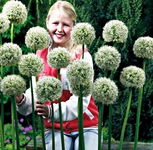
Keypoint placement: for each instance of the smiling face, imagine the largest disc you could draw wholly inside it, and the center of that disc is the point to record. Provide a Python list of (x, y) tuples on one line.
[(59, 26)]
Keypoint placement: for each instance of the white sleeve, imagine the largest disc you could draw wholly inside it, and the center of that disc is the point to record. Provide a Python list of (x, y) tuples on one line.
[(25, 108), (70, 107)]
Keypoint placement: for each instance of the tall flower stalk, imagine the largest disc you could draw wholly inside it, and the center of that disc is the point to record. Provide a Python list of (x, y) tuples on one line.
[(108, 58), (143, 48), (131, 77), (2, 115), (9, 55), (13, 85), (49, 88), (31, 65), (36, 38), (104, 91), (80, 76), (82, 33), (4, 25), (59, 58)]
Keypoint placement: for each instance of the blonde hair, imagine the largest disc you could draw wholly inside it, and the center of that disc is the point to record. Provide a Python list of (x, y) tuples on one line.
[(66, 6)]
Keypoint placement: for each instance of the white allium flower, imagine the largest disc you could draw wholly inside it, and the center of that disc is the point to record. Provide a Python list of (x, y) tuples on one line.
[(4, 23), (30, 65), (105, 90), (115, 31), (85, 90), (10, 54), (48, 88), (83, 33), (59, 57), (132, 76), (108, 58), (143, 47), (37, 38), (13, 85), (16, 11), (79, 71)]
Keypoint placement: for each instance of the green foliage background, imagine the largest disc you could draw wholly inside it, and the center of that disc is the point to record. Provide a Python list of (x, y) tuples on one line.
[(138, 16)]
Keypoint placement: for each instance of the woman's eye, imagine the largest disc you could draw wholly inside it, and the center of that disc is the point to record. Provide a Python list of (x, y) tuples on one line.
[(66, 24), (55, 23)]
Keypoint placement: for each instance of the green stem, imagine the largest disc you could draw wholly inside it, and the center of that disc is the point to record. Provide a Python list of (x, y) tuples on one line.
[(29, 5), (138, 114), (110, 127), (53, 134), (125, 120), (16, 123), (2, 124), (80, 119), (74, 3), (2, 115), (82, 51), (13, 126), (12, 32), (61, 124), (0, 39), (37, 11), (100, 122), (42, 133), (33, 116), (41, 1)]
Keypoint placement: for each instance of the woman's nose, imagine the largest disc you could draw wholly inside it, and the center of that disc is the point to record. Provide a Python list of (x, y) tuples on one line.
[(59, 28)]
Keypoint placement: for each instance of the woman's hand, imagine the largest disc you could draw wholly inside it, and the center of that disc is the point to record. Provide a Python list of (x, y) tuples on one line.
[(42, 109)]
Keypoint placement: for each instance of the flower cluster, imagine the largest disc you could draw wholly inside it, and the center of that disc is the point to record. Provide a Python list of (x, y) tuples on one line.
[(105, 90), (83, 33), (132, 76), (13, 85), (48, 88), (37, 38), (83, 89), (59, 57), (143, 47), (30, 65), (115, 31), (79, 71), (80, 76), (16, 12), (10, 54), (4, 23), (108, 58)]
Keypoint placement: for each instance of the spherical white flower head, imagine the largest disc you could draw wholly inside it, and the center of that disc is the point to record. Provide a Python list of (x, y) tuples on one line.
[(10, 54), (48, 88), (105, 90), (115, 31), (4, 23), (84, 88), (30, 65), (79, 71), (58, 57), (132, 76), (143, 47), (37, 38), (16, 12), (83, 33), (108, 58), (13, 85)]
